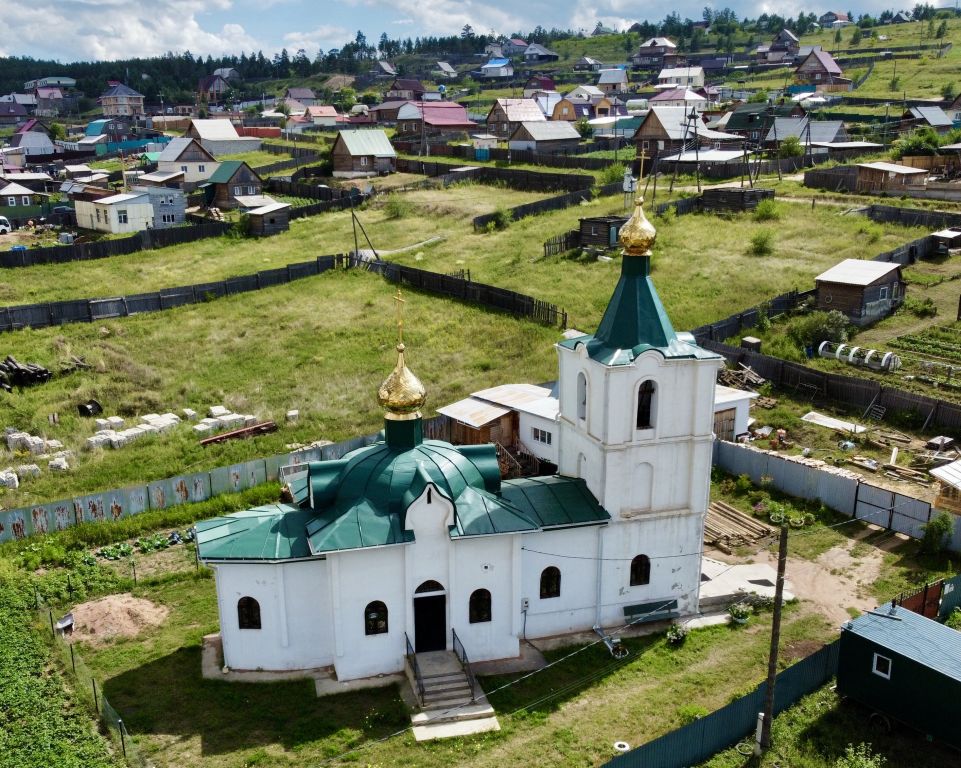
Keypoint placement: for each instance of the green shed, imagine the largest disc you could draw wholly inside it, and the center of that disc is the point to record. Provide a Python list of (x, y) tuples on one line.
[(906, 667)]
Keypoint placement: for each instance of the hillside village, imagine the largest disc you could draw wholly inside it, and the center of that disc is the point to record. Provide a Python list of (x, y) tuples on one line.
[(555, 397)]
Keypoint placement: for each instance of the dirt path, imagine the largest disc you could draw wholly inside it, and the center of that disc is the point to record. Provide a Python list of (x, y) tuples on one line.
[(836, 580)]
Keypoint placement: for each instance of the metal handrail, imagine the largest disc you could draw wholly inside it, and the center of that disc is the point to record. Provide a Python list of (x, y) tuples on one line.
[(461, 653), (418, 678)]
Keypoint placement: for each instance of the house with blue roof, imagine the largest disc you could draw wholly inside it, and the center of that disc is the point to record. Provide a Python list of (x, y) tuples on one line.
[(497, 67), (412, 547)]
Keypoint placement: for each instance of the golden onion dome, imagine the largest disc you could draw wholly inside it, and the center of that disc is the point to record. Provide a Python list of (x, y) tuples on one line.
[(638, 235), (402, 393)]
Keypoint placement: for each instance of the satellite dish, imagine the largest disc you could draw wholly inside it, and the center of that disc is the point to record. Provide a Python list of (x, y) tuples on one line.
[(442, 89)]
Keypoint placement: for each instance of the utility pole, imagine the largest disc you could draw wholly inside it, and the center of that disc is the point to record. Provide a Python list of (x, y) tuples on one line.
[(765, 741)]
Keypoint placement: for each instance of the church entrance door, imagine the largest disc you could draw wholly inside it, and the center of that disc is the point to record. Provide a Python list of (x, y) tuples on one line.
[(430, 618)]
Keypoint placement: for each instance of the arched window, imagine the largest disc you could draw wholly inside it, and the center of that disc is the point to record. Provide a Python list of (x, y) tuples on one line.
[(429, 586), (550, 582), (645, 405), (480, 606), (375, 618), (581, 396), (640, 570), (248, 613)]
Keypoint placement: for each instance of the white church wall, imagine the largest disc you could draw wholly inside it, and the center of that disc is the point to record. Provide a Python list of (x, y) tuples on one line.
[(429, 556), (295, 615), (574, 609), (487, 562), (359, 577)]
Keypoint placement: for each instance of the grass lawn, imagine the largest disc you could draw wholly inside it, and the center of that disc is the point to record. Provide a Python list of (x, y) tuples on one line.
[(258, 158), (568, 716)]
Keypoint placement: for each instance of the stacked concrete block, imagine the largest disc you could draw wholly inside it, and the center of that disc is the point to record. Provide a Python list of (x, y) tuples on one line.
[(216, 411), (190, 414), (58, 464), (9, 479), (293, 415), (28, 470), (115, 422)]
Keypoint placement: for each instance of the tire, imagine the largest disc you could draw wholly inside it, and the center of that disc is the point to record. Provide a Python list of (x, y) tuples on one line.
[(880, 723)]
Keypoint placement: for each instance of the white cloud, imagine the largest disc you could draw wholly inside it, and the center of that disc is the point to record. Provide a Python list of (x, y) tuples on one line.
[(325, 36), (402, 21), (114, 29)]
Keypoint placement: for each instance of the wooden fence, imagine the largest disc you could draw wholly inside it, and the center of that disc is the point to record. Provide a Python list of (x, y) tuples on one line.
[(154, 238), (525, 181), (532, 209), (562, 243), (572, 158), (914, 217)]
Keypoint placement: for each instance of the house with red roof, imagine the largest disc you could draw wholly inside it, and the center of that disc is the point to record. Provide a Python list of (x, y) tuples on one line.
[(819, 68), (433, 119)]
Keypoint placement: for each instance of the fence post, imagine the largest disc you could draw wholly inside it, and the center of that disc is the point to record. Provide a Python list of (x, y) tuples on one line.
[(53, 632), (73, 661), (123, 741)]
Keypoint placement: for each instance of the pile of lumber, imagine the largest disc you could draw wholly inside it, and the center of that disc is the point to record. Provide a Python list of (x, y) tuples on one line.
[(742, 377), (726, 527), (17, 374)]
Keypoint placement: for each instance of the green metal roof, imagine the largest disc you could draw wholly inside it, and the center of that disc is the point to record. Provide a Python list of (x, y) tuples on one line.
[(225, 172), (913, 636), (361, 500), (634, 322), (367, 142), (271, 532)]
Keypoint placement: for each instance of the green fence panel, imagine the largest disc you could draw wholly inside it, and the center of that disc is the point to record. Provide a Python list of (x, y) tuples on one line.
[(950, 597)]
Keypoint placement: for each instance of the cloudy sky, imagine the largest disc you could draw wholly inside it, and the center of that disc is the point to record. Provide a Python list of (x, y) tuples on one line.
[(72, 30)]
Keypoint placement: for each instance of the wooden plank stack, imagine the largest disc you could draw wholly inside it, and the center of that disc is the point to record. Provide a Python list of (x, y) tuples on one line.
[(726, 527)]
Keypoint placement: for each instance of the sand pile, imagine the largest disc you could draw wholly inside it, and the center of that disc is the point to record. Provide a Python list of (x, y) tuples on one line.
[(115, 616)]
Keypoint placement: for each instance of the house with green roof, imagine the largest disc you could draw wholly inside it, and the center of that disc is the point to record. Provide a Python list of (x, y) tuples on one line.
[(413, 546), (362, 153), (232, 179)]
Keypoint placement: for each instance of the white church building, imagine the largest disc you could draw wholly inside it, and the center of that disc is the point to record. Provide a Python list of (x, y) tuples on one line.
[(409, 540)]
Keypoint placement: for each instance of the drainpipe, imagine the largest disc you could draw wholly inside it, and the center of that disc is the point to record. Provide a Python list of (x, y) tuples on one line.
[(600, 564)]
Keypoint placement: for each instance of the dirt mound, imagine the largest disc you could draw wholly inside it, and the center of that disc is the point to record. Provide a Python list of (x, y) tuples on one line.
[(115, 616)]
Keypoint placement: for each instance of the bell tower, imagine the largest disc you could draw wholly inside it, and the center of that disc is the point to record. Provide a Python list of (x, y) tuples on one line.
[(637, 398)]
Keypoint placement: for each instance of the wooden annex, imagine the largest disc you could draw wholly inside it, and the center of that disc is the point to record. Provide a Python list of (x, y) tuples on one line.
[(865, 291)]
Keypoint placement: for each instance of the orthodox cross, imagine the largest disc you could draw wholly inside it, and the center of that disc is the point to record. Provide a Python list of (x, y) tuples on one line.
[(400, 316)]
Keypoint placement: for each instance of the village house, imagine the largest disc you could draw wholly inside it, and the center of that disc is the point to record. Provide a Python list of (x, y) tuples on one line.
[(433, 120), (686, 77), (948, 478), (233, 179), (587, 64), (507, 114), (545, 137), (117, 214), (219, 137), (50, 101), (120, 100), (412, 545), (572, 110), (753, 121), (18, 201), (819, 68), (33, 137), (834, 19), (546, 101), (805, 130), (612, 80), (363, 153), (953, 110), (383, 69), (305, 96), (187, 156), (386, 112), (667, 130), (513, 46), (536, 53), (444, 70), (678, 97), (497, 68), (926, 117), (655, 53), (169, 204), (211, 89), (538, 83), (783, 48), (12, 113), (405, 89), (865, 291), (323, 115)]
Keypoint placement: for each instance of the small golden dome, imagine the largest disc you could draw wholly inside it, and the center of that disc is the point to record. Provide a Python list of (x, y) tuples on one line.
[(401, 394), (638, 235)]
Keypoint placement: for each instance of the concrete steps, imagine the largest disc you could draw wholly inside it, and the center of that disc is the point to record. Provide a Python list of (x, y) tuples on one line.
[(448, 708)]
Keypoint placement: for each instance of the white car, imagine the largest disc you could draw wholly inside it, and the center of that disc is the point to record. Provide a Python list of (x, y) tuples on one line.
[(5, 225)]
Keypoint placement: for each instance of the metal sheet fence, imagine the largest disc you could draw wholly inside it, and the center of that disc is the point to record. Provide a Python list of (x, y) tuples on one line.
[(118, 503), (845, 493), (696, 742), (950, 597), (540, 206), (525, 181)]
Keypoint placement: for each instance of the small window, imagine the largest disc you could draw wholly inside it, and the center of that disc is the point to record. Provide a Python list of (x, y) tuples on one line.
[(550, 582), (363, 160), (480, 606), (122, 216), (541, 436), (200, 168), (25, 199), (429, 586), (375, 618), (884, 293), (183, 168), (12, 202), (248, 613), (881, 666), (98, 214), (252, 190), (581, 396), (640, 571), (238, 190), (645, 405)]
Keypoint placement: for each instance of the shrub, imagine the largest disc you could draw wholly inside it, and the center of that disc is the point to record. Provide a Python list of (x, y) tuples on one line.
[(691, 712), (763, 322), (396, 207), (790, 147), (767, 210), (742, 485), (739, 612), (811, 329), (762, 243), (954, 619), (860, 756), (937, 533), (921, 307), (584, 128), (502, 219), (612, 174), (677, 633), (758, 98)]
